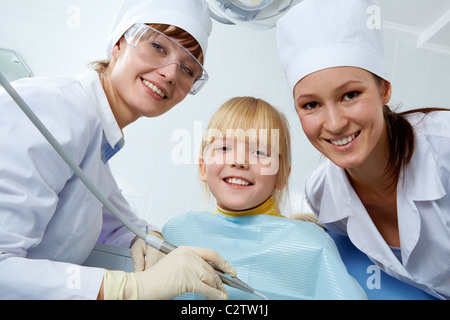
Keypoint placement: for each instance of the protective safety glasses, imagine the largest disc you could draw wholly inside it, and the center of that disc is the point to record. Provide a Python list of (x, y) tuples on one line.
[(160, 50)]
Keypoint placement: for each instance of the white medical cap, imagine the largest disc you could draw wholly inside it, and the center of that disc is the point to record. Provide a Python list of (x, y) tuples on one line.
[(320, 34), (190, 15)]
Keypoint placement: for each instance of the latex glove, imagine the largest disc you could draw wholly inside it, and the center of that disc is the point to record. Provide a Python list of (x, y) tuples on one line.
[(181, 271), (145, 256)]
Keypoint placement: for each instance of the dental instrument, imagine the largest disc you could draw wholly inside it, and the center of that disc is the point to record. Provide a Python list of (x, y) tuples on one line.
[(166, 247), (151, 240)]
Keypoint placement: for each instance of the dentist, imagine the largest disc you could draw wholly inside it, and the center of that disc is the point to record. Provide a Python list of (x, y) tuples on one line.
[(386, 183), (49, 221)]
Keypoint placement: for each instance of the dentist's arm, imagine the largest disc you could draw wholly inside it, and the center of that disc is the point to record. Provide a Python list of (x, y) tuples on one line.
[(184, 270)]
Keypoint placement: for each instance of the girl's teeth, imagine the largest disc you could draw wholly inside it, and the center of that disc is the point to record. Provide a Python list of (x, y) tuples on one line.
[(343, 142), (237, 181), (154, 88)]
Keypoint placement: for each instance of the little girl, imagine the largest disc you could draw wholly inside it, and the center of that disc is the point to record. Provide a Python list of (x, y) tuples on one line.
[(245, 163)]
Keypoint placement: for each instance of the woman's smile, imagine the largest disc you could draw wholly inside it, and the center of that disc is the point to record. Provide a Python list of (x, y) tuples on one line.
[(341, 112), (154, 88), (343, 141)]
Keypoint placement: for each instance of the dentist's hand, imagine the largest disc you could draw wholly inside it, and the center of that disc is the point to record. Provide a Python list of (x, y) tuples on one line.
[(181, 271), (145, 256)]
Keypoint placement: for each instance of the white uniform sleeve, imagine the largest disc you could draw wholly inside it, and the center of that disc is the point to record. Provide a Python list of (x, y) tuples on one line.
[(22, 278), (31, 177)]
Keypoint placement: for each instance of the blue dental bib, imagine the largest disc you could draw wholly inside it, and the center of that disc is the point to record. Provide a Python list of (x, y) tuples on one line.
[(279, 257)]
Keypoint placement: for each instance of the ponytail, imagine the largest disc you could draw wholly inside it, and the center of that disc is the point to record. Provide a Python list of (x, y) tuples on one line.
[(401, 142), (401, 139)]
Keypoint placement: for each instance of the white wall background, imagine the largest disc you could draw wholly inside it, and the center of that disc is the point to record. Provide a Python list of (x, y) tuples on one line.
[(59, 37)]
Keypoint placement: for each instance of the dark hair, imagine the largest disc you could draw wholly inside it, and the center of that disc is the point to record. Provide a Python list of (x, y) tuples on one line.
[(401, 137), (401, 142)]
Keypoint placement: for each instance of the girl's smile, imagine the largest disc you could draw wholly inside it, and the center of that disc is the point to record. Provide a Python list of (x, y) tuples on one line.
[(237, 182), (235, 173)]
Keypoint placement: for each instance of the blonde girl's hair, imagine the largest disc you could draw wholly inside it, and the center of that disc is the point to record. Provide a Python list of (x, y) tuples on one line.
[(249, 114), (183, 37)]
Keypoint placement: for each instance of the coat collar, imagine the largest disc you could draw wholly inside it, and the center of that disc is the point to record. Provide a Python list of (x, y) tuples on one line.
[(344, 204), (91, 83), (418, 182), (336, 202)]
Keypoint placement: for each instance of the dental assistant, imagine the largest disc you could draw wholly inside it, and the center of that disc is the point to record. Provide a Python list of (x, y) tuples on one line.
[(386, 183), (49, 221)]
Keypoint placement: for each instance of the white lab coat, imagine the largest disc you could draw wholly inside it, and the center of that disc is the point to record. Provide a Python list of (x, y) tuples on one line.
[(423, 208), (49, 221)]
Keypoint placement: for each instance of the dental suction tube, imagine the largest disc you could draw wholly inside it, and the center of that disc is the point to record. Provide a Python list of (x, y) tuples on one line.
[(150, 239), (58, 148)]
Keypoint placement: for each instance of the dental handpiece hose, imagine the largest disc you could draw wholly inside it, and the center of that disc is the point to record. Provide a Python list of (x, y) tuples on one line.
[(151, 240)]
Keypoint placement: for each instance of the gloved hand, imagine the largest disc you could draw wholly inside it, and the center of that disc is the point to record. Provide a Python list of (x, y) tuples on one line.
[(181, 271), (145, 256)]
